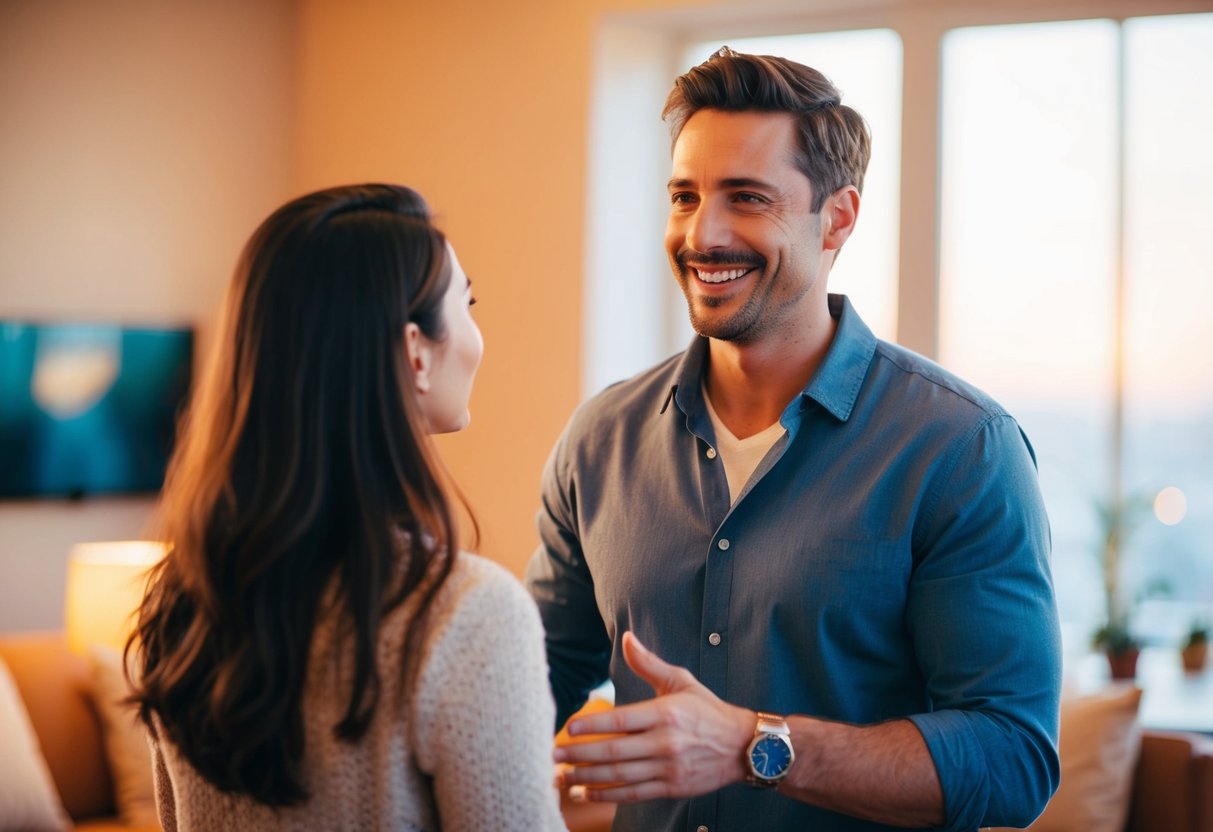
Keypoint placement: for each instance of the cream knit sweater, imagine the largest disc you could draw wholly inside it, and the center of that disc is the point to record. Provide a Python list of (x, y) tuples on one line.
[(471, 750)]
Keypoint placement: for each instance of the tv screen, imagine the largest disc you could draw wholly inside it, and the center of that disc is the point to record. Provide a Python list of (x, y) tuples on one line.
[(89, 408)]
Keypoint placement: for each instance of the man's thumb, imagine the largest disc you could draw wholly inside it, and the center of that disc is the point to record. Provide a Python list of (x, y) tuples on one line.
[(663, 676)]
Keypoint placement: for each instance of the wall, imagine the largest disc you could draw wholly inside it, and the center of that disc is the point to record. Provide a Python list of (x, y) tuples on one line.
[(483, 107), (140, 142)]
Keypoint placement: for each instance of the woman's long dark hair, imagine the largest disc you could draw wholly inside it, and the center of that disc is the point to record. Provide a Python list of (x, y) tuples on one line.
[(302, 457)]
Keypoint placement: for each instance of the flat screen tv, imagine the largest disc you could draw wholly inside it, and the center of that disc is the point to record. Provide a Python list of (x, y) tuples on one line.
[(89, 409)]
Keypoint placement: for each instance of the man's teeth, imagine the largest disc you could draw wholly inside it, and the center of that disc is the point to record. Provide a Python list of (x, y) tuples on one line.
[(721, 277)]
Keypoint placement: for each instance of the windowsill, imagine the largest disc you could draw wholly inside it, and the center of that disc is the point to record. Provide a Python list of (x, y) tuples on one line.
[(1172, 700)]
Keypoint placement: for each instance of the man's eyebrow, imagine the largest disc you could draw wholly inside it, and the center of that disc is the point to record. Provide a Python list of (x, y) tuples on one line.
[(733, 182)]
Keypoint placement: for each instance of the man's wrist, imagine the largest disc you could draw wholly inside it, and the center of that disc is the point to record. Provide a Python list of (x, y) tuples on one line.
[(769, 754)]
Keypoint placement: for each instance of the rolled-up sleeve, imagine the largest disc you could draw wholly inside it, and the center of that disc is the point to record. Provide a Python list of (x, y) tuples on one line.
[(983, 619)]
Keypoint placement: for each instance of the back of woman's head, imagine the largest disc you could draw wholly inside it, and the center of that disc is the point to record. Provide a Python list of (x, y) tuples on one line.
[(303, 459)]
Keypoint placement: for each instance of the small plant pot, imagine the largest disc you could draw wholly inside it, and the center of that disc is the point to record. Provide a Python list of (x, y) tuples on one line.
[(1123, 665), (1194, 657)]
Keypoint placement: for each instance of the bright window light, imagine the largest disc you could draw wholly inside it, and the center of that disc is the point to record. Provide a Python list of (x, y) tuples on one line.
[(1031, 243)]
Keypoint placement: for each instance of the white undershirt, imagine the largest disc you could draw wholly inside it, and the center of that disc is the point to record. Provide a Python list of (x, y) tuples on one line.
[(740, 456)]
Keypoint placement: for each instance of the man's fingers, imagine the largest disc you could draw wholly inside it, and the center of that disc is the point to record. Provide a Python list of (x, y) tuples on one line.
[(620, 746), (626, 719), (629, 793), (615, 774)]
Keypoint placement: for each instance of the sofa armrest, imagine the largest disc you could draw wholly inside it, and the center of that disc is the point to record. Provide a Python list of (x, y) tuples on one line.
[(55, 686), (1173, 786)]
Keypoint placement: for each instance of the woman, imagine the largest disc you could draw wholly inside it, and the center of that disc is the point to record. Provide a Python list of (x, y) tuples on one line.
[(315, 652)]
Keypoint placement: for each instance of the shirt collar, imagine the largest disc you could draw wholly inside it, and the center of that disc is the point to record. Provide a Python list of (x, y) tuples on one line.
[(835, 385)]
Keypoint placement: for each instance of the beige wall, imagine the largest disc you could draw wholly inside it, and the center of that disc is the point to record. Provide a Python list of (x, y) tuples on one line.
[(482, 106), (140, 141)]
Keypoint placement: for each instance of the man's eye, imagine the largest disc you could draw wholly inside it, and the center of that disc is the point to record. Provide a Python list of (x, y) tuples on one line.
[(682, 197), (753, 198)]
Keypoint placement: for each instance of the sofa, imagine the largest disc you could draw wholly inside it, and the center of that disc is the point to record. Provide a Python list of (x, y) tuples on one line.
[(1172, 786), (57, 688)]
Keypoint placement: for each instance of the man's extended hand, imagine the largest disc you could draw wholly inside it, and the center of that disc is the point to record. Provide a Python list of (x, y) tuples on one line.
[(684, 742)]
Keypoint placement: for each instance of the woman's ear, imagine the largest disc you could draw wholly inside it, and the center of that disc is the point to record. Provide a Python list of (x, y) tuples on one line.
[(419, 353)]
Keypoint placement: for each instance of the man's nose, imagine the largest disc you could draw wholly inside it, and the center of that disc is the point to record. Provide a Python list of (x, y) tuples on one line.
[(708, 228)]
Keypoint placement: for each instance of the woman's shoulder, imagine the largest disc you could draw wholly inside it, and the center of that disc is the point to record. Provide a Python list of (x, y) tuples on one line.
[(478, 568), (472, 573), (479, 591), (483, 632)]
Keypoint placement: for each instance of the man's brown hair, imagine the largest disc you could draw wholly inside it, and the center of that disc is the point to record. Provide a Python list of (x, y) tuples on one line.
[(834, 141)]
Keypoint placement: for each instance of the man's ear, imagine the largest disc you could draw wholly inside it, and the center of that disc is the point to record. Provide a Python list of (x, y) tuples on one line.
[(419, 353), (839, 213)]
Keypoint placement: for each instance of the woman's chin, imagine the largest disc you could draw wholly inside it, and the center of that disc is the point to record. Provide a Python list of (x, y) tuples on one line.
[(453, 425)]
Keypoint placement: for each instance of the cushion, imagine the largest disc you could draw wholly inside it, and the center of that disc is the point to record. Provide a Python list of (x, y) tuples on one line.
[(28, 800), (125, 740), (1099, 743)]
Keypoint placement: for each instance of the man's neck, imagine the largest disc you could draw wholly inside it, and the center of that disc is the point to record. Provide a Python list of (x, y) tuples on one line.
[(751, 384)]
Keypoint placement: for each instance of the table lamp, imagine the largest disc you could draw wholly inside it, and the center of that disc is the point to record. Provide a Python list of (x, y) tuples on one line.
[(105, 583)]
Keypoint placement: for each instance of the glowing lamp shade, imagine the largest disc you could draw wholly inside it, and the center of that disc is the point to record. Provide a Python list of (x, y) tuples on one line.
[(105, 583)]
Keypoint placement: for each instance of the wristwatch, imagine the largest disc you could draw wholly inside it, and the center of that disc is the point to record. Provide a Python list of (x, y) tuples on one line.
[(770, 754)]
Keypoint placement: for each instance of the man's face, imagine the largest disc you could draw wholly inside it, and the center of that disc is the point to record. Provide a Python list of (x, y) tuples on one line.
[(741, 238)]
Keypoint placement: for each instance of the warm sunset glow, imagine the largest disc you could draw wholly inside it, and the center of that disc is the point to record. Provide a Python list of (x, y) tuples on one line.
[(1029, 243), (1058, 182)]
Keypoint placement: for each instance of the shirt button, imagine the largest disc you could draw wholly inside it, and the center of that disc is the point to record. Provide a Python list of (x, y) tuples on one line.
[(711, 455), (714, 639), (722, 544)]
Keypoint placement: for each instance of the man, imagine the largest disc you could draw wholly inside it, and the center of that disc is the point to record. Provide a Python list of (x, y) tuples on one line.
[(837, 549)]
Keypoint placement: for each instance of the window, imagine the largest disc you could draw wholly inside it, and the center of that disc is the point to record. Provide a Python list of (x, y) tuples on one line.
[(1067, 242), (1040, 202)]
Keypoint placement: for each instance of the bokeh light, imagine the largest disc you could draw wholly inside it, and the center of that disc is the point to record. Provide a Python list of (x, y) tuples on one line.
[(1170, 505)]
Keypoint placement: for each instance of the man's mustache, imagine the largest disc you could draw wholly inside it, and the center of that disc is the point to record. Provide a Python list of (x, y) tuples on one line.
[(720, 258)]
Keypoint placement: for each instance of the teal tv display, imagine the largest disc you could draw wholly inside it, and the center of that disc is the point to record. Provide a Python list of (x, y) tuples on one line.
[(89, 409)]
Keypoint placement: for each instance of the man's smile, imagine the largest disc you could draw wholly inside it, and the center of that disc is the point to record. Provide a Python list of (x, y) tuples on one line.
[(719, 275)]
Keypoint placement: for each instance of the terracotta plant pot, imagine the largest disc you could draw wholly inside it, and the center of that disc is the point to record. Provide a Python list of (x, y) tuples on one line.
[(1194, 657), (1123, 664)]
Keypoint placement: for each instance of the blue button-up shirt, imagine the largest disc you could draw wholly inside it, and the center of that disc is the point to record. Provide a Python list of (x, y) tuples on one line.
[(888, 558)]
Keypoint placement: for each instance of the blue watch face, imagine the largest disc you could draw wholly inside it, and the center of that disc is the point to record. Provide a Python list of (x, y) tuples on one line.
[(771, 756)]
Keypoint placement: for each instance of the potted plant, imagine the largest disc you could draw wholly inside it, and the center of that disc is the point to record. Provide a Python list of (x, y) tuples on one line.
[(1117, 519), (1195, 651), (1121, 648)]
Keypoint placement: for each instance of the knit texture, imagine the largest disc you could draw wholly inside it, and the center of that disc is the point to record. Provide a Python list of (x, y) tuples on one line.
[(469, 749)]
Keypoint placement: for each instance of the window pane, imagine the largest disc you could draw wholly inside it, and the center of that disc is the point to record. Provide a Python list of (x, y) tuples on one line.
[(1169, 298), (1027, 257), (866, 66), (1028, 273)]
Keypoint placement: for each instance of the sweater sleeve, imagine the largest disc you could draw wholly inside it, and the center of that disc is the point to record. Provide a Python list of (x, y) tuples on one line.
[(484, 711)]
